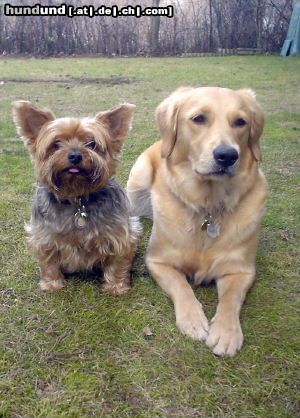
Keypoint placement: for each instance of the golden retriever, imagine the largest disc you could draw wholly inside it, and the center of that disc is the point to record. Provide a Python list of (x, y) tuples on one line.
[(203, 185)]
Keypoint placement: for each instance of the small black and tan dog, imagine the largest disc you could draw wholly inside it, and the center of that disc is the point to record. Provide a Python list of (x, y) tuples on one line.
[(80, 218)]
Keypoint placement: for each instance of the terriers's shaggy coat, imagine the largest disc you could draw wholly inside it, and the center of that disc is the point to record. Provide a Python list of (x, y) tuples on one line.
[(180, 181), (75, 160)]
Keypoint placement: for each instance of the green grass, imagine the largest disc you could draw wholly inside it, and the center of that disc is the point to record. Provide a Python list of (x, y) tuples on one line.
[(79, 353)]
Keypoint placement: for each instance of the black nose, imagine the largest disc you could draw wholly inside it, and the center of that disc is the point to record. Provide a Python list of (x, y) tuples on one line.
[(75, 157), (225, 155)]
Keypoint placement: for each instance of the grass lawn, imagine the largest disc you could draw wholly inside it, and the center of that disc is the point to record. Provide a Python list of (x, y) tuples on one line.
[(78, 353)]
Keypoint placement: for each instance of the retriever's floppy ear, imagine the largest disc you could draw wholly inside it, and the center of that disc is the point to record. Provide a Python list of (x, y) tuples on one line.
[(166, 116), (257, 123), (29, 120), (118, 122)]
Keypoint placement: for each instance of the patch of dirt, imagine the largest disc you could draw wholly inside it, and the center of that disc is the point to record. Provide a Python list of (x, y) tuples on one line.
[(286, 234), (295, 125), (182, 412), (288, 169), (8, 298), (111, 81)]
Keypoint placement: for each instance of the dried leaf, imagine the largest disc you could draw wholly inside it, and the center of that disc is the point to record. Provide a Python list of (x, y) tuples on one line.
[(147, 332), (286, 234)]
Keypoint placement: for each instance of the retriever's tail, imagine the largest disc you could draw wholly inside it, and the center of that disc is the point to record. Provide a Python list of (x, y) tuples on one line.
[(139, 185)]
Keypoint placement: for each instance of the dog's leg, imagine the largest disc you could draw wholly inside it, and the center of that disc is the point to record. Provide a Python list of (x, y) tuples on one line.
[(52, 278), (225, 333), (190, 317), (117, 274)]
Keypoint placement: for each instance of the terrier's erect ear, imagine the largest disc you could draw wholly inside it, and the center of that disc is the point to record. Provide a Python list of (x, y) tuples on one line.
[(166, 116), (29, 121), (257, 122), (118, 122)]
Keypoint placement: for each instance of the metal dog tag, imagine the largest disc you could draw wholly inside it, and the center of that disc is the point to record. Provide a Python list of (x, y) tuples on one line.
[(80, 219), (212, 230), (205, 225), (210, 227), (80, 216)]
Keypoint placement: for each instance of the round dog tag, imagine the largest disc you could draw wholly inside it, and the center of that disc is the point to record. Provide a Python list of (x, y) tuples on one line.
[(80, 219), (212, 230)]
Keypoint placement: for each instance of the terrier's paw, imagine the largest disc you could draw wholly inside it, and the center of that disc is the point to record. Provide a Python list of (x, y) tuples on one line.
[(192, 321), (116, 289), (52, 285), (225, 337)]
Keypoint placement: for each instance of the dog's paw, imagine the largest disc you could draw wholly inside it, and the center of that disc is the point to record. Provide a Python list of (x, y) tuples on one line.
[(52, 285), (116, 289), (192, 321), (225, 337)]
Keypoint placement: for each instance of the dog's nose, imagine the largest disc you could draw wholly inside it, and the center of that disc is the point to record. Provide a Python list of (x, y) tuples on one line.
[(225, 155), (75, 157)]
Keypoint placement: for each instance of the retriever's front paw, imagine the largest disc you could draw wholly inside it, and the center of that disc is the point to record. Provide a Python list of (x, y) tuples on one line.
[(225, 337), (191, 321)]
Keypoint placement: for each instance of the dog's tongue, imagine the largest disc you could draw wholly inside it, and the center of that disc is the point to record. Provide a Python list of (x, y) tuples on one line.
[(74, 170)]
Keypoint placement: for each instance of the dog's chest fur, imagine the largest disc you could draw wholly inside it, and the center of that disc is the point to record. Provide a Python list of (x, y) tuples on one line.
[(178, 229), (108, 230)]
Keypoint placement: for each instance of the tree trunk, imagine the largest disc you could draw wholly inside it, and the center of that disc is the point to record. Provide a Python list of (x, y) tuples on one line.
[(154, 31), (210, 27), (259, 25)]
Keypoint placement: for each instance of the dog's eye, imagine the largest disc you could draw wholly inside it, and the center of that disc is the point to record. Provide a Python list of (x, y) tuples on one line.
[(240, 122), (56, 145), (91, 145), (200, 119)]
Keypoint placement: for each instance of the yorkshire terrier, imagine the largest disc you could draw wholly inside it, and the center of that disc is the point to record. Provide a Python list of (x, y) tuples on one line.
[(80, 218)]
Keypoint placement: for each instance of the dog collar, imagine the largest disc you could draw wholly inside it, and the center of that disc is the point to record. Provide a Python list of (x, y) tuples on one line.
[(80, 216)]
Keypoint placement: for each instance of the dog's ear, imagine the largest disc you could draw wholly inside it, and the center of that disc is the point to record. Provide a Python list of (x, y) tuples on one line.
[(257, 122), (29, 120), (167, 117), (118, 123)]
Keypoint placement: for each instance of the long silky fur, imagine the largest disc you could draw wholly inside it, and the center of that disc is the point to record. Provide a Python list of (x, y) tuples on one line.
[(109, 231)]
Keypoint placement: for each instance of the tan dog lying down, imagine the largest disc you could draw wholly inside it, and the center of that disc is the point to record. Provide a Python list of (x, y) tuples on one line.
[(207, 193)]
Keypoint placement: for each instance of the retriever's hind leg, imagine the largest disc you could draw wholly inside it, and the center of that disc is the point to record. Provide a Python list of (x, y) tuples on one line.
[(138, 187)]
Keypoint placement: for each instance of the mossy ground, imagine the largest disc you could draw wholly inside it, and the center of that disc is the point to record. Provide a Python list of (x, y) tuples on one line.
[(79, 353)]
